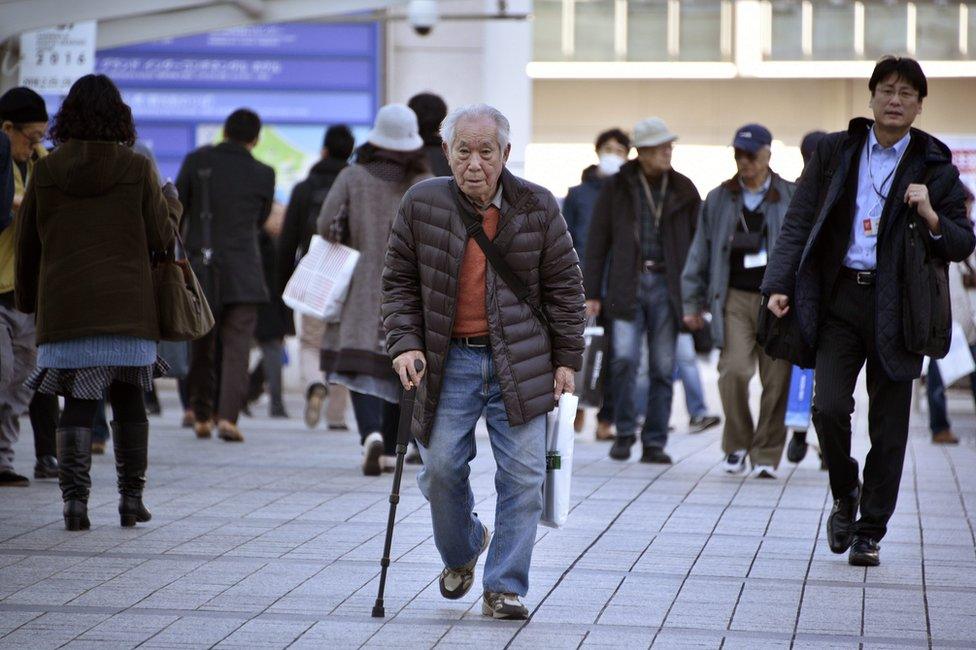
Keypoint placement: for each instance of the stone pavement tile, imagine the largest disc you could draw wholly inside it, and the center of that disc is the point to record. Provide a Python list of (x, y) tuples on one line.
[(896, 613), (51, 630), (264, 633), (895, 572), (619, 637), (722, 566), (831, 610), (533, 637), (819, 642), (704, 604), (335, 633), (750, 643), (486, 634), (765, 607), (407, 635), (952, 615), (776, 568), (680, 639), (950, 574), (128, 628), (641, 601), (204, 631)]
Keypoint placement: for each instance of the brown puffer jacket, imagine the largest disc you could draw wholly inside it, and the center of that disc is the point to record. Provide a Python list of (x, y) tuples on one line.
[(420, 284)]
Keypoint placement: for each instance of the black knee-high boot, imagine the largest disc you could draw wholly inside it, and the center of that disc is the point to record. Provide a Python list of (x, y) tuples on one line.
[(74, 475), (131, 441)]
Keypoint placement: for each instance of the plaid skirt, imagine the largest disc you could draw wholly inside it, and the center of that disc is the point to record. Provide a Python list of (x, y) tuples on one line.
[(91, 383)]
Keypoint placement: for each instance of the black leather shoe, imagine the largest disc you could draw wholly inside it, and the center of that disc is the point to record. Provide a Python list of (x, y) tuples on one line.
[(655, 455), (839, 522), (864, 552), (796, 451), (621, 447), (46, 467)]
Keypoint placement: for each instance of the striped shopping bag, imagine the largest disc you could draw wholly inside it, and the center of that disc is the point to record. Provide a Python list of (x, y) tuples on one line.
[(320, 283)]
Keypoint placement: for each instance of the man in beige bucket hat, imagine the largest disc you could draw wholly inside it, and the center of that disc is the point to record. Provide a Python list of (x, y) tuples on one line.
[(644, 221)]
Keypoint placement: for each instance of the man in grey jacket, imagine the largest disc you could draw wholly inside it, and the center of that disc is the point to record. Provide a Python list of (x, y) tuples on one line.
[(740, 221), (486, 352)]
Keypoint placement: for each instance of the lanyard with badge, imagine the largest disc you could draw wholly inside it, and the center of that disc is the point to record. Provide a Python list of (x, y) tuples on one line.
[(752, 244), (872, 224), (657, 209)]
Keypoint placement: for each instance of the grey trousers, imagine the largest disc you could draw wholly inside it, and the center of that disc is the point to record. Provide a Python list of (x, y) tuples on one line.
[(14, 398)]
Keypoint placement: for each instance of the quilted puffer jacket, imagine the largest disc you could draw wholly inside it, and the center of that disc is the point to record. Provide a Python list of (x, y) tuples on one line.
[(420, 284), (796, 267)]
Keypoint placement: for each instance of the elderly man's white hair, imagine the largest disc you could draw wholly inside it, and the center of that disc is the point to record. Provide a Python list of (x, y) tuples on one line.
[(473, 112)]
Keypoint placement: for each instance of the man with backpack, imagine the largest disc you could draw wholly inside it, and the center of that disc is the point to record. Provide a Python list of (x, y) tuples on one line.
[(303, 211)]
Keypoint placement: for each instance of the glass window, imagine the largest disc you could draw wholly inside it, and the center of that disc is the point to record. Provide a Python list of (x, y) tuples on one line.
[(937, 30), (547, 30), (647, 30), (833, 31), (701, 31), (885, 29), (787, 31), (594, 30)]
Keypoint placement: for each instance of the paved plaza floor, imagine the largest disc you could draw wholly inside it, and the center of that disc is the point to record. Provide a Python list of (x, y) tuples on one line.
[(276, 543)]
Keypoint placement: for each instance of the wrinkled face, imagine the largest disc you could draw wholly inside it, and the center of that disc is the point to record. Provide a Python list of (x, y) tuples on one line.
[(475, 158), (655, 160), (613, 147), (895, 103), (752, 167), (23, 138)]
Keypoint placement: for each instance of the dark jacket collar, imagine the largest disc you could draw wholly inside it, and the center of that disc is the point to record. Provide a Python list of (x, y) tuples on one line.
[(934, 150), (328, 166), (228, 146), (772, 195)]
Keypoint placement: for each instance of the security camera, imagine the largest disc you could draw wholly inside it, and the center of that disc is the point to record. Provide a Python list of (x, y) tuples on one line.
[(422, 15)]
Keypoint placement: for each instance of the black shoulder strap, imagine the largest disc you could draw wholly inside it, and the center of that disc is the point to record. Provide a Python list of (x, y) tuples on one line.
[(206, 214), (472, 224)]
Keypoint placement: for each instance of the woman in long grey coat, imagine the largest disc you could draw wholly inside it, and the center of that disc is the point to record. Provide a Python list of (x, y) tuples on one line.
[(359, 211)]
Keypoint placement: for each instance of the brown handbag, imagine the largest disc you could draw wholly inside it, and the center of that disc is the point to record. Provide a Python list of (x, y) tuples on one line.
[(183, 311)]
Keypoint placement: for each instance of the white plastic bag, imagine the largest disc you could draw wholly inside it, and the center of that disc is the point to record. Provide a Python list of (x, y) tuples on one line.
[(560, 437), (958, 362), (320, 283)]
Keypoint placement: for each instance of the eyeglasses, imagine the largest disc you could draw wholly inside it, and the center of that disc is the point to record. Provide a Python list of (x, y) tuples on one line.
[(33, 138), (904, 94)]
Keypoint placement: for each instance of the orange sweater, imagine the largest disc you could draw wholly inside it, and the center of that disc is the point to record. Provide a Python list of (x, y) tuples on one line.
[(471, 319)]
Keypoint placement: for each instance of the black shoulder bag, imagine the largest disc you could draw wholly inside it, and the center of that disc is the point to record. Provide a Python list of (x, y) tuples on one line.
[(926, 309), (473, 226)]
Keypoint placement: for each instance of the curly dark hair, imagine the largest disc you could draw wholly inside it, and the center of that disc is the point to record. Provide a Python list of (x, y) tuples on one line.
[(94, 110)]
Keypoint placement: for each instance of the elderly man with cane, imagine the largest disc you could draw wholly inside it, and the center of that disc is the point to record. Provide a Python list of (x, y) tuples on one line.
[(483, 285)]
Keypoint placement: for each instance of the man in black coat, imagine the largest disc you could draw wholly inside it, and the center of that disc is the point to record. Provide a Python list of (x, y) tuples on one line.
[(225, 255), (301, 222), (839, 266), (644, 221)]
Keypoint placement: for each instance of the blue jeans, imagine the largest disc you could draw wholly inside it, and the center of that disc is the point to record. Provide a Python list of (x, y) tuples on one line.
[(656, 320), (687, 372), (935, 392), (470, 390)]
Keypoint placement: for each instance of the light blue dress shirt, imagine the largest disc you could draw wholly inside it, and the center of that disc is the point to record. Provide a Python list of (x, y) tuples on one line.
[(875, 176), (752, 199)]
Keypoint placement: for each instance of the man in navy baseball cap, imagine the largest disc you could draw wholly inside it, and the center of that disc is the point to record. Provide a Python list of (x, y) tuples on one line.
[(752, 137)]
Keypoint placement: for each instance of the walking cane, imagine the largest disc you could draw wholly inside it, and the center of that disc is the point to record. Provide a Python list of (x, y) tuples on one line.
[(403, 435)]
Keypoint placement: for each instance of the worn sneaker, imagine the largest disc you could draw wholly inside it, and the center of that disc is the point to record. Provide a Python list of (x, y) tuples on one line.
[(763, 471), (455, 583), (735, 463), (504, 606), (228, 432), (314, 400), (701, 423), (373, 454)]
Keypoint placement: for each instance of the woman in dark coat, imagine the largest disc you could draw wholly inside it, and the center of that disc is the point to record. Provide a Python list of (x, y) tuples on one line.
[(92, 213)]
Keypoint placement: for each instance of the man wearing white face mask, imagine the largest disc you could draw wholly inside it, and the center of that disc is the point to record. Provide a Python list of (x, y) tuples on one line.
[(644, 221), (612, 147)]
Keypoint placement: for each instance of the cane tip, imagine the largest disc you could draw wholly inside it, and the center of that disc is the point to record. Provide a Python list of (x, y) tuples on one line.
[(379, 612)]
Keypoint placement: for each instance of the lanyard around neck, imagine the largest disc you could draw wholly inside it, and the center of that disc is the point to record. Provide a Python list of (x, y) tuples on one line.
[(882, 194), (656, 209)]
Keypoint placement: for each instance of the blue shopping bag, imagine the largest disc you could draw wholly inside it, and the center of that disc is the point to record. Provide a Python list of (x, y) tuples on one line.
[(800, 399)]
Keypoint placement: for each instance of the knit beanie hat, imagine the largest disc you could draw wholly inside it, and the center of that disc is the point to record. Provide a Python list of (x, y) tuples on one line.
[(22, 105)]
